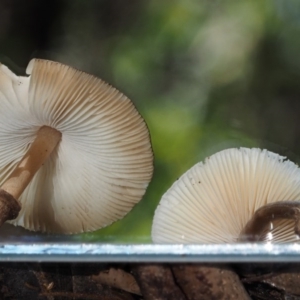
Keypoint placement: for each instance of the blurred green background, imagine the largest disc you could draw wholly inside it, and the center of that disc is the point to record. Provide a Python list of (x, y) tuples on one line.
[(205, 75)]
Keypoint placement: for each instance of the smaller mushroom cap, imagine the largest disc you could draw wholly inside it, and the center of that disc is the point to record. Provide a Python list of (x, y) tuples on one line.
[(213, 201), (103, 163)]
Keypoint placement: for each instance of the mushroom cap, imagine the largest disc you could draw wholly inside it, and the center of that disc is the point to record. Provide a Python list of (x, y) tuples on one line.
[(213, 201), (101, 167)]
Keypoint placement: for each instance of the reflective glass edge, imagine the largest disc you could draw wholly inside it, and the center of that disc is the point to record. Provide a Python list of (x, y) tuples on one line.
[(95, 252)]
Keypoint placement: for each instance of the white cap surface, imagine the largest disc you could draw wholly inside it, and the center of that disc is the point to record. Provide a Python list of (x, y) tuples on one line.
[(213, 201), (101, 167)]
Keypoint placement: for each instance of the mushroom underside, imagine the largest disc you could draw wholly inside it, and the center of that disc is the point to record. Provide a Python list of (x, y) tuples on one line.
[(213, 201), (101, 165)]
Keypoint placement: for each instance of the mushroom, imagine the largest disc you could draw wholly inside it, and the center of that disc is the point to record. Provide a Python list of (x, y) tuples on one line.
[(75, 154), (233, 194)]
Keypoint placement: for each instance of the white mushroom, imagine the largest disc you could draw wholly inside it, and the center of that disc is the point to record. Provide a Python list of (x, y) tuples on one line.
[(213, 201), (74, 151)]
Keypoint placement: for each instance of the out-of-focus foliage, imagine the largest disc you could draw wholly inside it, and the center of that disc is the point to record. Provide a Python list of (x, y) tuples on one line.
[(205, 75)]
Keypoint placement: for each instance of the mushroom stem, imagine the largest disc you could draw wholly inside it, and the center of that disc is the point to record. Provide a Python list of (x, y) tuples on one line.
[(45, 142), (266, 215)]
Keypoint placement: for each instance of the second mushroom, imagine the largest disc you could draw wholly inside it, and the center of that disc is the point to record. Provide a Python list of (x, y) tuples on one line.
[(235, 195)]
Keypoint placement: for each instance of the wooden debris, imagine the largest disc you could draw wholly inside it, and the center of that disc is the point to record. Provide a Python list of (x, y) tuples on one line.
[(211, 282), (157, 282), (117, 278)]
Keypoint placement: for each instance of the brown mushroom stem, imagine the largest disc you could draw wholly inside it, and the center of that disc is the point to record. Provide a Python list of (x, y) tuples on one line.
[(267, 214), (9, 207), (45, 142)]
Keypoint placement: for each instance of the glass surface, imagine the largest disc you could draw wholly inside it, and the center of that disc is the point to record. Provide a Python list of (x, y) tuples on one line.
[(21, 245), (205, 75)]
